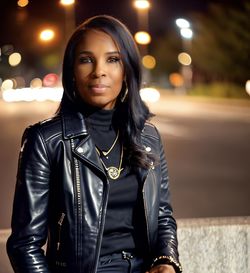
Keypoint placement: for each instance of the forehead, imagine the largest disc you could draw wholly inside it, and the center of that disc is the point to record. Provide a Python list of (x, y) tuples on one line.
[(96, 40)]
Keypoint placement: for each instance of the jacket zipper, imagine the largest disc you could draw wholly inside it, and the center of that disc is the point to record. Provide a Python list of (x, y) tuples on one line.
[(101, 228), (78, 210), (145, 213), (60, 222)]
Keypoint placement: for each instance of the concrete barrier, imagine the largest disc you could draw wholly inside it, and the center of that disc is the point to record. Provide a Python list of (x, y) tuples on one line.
[(216, 245), (209, 245)]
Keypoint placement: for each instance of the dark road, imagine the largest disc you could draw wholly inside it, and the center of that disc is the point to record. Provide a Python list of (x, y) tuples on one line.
[(207, 148)]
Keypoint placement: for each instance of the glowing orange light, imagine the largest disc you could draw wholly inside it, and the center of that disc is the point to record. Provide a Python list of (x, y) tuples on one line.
[(67, 2), (176, 79), (23, 3), (142, 4), (47, 35), (149, 61)]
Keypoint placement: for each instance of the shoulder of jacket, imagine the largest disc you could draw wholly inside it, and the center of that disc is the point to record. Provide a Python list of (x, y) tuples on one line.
[(150, 130), (47, 128)]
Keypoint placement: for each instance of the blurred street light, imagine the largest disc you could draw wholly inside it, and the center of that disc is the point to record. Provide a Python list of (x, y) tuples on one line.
[(186, 33), (36, 83), (248, 87), (141, 4), (67, 2), (182, 23), (149, 94), (15, 59), (142, 7), (69, 8), (23, 3), (7, 84), (184, 58), (142, 38), (149, 62), (46, 35)]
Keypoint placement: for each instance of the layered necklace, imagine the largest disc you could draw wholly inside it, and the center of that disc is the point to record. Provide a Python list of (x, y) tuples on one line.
[(112, 171)]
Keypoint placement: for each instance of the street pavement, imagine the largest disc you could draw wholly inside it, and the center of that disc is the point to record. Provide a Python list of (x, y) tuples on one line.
[(206, 144), (208, 152)]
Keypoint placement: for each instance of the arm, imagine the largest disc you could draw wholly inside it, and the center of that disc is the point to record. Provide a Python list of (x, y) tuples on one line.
[(166, 256), (30, 208)]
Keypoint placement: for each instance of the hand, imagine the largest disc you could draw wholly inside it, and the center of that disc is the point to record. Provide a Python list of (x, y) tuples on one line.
[(162, 268)]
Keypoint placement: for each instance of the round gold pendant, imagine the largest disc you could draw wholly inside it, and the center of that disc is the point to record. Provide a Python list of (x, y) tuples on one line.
[(113, 172)]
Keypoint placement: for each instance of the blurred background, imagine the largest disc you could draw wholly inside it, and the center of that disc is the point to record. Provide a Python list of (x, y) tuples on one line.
[(196, 79)]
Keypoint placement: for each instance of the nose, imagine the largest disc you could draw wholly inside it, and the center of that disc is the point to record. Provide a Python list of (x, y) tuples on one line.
[(98, 70)]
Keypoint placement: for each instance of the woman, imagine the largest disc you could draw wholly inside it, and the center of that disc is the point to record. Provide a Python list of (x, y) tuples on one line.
[(92, 181)]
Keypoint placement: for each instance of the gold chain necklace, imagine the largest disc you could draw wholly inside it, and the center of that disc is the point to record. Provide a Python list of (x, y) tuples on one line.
[(112, 171), (112, 146)]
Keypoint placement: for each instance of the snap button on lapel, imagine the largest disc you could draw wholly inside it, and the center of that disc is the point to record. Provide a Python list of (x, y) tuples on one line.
[(80, 150), (152, 165), (148, 149)]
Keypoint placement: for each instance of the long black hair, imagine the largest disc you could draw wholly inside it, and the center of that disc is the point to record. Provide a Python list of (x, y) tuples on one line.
[(131, 112)]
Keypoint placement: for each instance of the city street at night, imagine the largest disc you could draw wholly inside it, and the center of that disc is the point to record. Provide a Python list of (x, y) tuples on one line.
[(206, 144)]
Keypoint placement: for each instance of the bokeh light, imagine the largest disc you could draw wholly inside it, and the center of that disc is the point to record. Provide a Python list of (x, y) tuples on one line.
[(36, 83), (149, 94), (33, 94), (149, 62), (141, 4), (15, 59), (50, 80), (7, 84), (182, 23), (142, 37), (186, 33), (248, 87), (184, 58), (67, 2), (23, 3), (176, 79), (47, 35)]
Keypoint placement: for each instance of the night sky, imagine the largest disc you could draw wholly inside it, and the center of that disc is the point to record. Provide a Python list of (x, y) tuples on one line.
[(161, 14), (39, 13), (20, 26)]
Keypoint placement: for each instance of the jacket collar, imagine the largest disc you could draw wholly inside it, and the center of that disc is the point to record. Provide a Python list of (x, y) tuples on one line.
[(73, 124)]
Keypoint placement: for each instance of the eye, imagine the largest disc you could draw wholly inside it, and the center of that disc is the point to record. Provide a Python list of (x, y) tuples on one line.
[(114, 59), (85, 59)]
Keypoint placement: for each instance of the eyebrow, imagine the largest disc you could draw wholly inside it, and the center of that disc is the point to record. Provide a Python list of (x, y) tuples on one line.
[(107, 53)]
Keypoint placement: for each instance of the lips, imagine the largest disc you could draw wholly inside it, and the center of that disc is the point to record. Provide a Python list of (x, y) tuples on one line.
[(98, 88)]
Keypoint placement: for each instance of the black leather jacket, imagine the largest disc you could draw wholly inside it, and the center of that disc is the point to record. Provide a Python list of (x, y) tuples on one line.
[(61, 197)]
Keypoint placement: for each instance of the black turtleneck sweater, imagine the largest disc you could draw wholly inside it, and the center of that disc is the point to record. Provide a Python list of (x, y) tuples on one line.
[(122, 230)]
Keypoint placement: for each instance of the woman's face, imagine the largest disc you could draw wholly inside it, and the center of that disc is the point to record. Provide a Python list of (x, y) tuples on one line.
[(98, 69)]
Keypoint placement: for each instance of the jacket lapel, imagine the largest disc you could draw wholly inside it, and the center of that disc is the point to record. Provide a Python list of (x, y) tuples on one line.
[(74, 126), (87, 152)]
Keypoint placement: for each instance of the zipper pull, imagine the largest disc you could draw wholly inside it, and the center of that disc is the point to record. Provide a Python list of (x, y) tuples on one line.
[(61, 219), (60, 222)]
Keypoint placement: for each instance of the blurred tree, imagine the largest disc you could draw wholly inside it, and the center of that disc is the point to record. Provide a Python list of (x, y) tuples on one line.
[(221, 46)]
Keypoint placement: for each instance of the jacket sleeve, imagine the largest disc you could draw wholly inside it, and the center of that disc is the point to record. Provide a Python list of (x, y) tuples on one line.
[(167, 244), (30, 208)]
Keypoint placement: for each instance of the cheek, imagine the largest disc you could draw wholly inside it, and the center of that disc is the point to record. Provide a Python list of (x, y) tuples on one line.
[(118, 75), (81, 72)]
